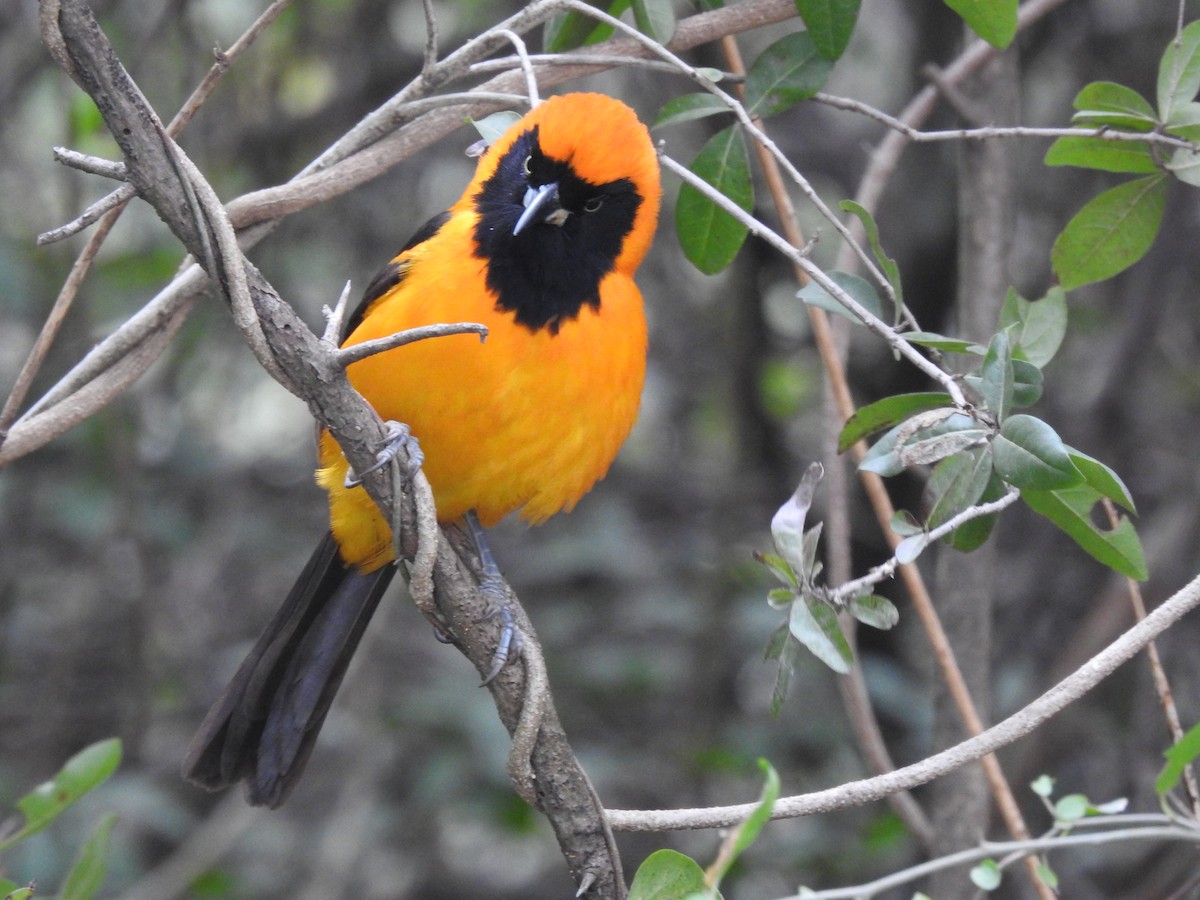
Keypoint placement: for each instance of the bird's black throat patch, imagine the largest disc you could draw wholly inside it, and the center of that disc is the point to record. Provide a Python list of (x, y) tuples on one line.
[(548, 273)]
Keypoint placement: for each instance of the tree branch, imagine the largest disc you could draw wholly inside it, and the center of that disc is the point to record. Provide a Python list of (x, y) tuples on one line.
[(164, 178), (1019, 724)]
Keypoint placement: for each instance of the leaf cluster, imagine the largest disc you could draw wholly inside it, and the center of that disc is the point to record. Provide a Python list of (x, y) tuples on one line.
[(1116, 228), (812, 609), (86, 770), (980, 452)]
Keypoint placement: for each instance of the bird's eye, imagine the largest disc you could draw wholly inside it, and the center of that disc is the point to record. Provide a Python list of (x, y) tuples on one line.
[(593, 204), (527, 165)]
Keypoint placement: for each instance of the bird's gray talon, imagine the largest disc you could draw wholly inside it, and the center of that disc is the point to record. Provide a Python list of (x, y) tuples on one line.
[(399, 437)]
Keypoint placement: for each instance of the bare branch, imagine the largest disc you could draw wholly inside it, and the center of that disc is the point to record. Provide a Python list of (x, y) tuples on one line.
[(105, 168), (857, 793), (1014, 851), (347, 355)]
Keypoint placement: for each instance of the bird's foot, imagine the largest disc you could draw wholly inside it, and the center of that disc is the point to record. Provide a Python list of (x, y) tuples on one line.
[(399, 438), (491, 583)]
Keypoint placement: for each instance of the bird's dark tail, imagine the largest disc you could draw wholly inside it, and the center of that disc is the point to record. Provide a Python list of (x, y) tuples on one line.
[(263, 727)]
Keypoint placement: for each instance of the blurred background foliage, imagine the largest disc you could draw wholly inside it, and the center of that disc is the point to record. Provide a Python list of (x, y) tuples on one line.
[(141, 553)]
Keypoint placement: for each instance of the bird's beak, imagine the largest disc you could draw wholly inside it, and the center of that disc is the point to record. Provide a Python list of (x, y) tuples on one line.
[(541, 205)]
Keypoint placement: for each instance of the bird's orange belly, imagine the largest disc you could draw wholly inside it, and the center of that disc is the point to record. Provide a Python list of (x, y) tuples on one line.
[(524, 421)]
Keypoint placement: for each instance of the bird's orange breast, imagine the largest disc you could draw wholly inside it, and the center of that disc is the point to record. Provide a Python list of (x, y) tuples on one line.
[(527, 420)]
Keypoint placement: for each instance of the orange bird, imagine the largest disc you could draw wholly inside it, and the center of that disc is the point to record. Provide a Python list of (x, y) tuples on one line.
[(541, 248)]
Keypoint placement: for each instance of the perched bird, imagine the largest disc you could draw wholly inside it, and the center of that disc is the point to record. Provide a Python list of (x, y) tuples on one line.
[(541, 248)]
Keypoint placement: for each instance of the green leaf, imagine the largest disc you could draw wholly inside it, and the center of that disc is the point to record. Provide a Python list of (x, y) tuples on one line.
[(1070, 509), (1043, 786), (689, 107), (923, 438), (1029, 454), (987, 875), (1185, 124), (876, 611), (1070, 808), (1184, 164), (1046, 874), (1110, 233), (1179, 71), (788, 71), (666, 875), (571, 30), (1037, 327), (88, 870), (830, 22), (993, 20), (711, 237), (817, 629), (779, 567), (778, 598), (775, 642), (886, 263), (971, 535), (744, 835), (1102, 478), (910, 548), (21, 893), (82, 772), (788, 657), (1109, 808), (491, 127), (887, 412), (1027, 383), (787, 525), (1103, 103), (905, 523), (950, 435), (957, 483), (655, 19), (996, 381), (1179, 757), (856, 286), (1098, 153)]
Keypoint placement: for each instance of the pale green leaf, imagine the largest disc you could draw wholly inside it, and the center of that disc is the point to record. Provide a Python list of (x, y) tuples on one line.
[(1179, 71), (856, 286), (689, 107), (1104, 155), (1110, 233), (993, 20)]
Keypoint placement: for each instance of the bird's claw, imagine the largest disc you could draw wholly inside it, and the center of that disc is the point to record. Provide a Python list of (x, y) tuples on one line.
[(399, 437), (509, 645)]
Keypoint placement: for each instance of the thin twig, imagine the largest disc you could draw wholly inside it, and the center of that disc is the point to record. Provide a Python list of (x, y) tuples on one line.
[(1015, 850), (347, 355), (894, 339), (1017, 725), (989, 132), (531, 85), (1162, 685), (94, 165), (583, 58), (431, 39), (335, 318), (887, 569)]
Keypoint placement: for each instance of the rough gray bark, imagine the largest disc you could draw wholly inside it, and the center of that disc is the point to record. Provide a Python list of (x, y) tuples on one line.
[(965, 584)]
